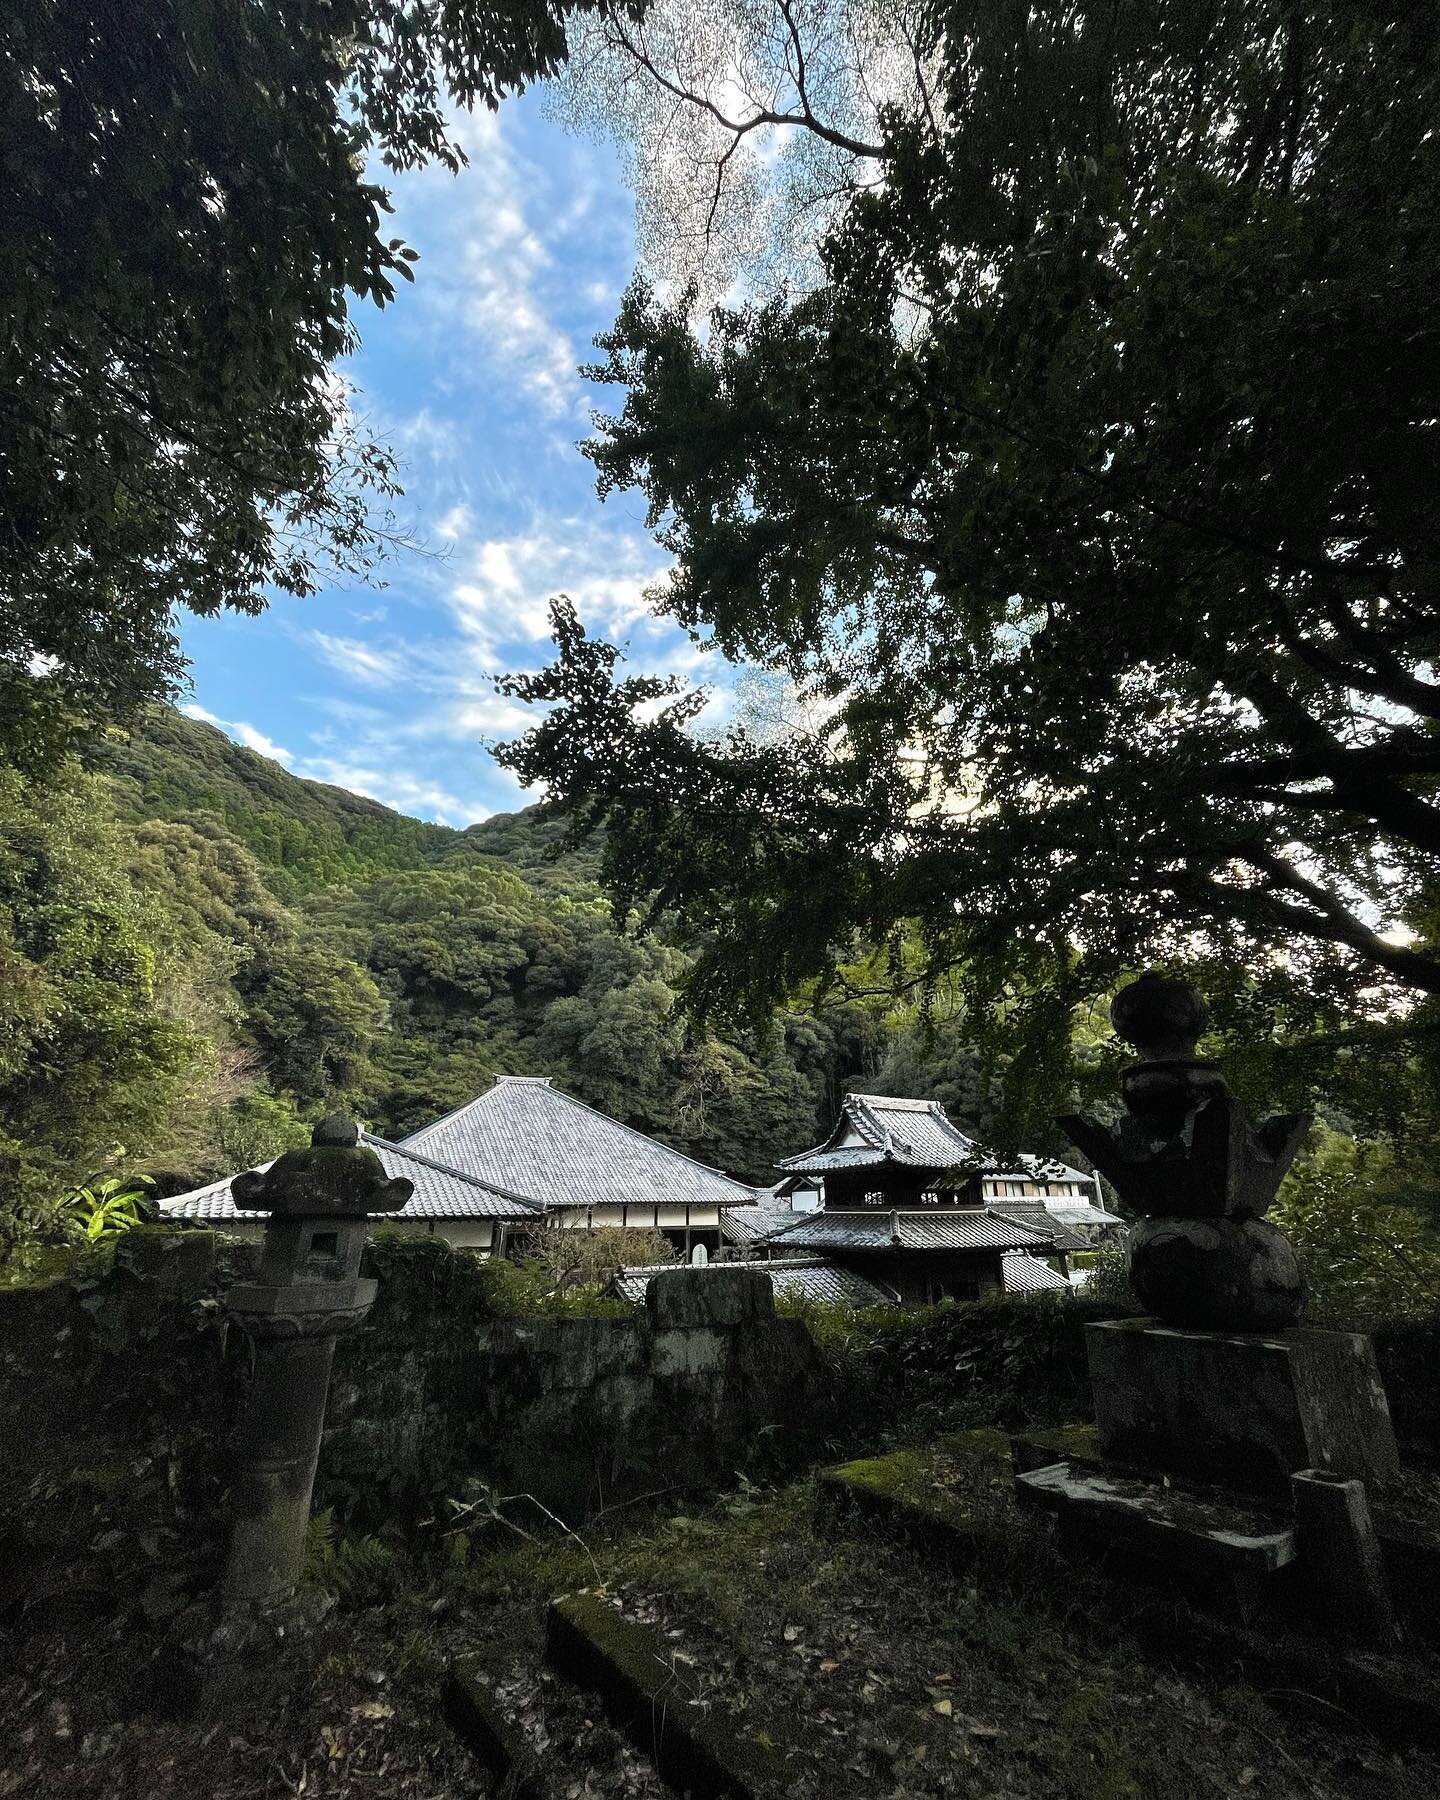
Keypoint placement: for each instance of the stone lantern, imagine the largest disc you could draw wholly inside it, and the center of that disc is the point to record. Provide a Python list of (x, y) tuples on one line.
[(1230, 1442), (307, 1292), (1200, 1175)]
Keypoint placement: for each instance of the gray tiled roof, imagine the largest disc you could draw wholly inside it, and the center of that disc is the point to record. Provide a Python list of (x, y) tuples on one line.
[(915, 1133), (525, 1135), (1026, 1274), (811, 1279), (1083, 1212), (1039, 1217), (849, 1156), (753, 1224), (1038, 1168), (915, 1231), (440, 1192)]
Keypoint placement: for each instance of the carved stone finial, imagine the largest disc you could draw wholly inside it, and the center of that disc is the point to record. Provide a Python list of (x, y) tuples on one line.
[(1160, 1018), (1187, 1159), (336, 1175), (335, 1129)]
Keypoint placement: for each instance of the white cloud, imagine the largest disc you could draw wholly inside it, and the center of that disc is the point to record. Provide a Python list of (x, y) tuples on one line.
[(504, 598), (456, 522), (366, 663), (486, 265), (242, 733), (396, 788)]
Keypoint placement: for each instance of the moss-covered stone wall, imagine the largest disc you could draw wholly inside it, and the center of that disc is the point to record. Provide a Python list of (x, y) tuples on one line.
[(579, 1412), (120, 1383)]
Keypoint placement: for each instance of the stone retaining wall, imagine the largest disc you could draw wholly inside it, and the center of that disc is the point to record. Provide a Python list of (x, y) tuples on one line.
[(583, 1413)]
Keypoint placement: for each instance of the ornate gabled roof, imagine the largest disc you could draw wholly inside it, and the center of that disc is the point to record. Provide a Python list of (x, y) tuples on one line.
[(531, 1137), (440, 1192), (810, 1279), (881, 1230), (915, 1133)]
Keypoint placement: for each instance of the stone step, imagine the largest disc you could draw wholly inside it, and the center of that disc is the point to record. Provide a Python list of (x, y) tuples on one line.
[(1225, 1555), (878, 1491), (696, 1751), (1130, 1514), (477, 1714)]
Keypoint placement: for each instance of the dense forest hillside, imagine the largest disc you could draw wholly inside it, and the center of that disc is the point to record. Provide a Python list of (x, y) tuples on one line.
[(200, 952)]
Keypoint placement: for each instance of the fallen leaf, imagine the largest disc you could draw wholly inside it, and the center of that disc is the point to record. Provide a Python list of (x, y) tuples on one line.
[(829, 1666), (944, 1707)]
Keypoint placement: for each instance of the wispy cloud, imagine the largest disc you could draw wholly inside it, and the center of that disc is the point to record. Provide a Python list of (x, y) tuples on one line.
[(360, 660), (396, 788), (487, 265), (242, 733), (503, 597)]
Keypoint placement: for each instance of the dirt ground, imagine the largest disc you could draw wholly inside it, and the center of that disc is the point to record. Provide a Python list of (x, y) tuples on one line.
[(886, 1678)]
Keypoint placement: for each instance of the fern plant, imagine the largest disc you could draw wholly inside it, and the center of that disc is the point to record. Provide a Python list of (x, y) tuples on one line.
[(358, 1570)]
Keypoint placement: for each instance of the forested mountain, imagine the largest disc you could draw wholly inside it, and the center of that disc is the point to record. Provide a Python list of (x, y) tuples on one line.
[(200, 952)]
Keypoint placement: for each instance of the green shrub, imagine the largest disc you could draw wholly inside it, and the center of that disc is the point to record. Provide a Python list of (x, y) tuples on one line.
[(1367, 1256), (1109, 1283)]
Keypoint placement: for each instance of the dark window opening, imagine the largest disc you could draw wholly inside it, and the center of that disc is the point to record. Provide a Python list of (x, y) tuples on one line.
[(325, 1243)]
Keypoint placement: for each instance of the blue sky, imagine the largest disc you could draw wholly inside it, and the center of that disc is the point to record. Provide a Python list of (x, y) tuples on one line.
[(471, 375)]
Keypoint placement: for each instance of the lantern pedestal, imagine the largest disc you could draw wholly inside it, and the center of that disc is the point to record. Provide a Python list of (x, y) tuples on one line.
[(1239, 1411)]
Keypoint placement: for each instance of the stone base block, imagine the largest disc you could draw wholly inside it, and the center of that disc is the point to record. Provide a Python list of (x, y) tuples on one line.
[(1224, 1556), (1242, 1412)]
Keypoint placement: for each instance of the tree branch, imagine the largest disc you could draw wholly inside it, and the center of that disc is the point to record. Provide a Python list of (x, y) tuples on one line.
[(1331, 919), (766, 116)]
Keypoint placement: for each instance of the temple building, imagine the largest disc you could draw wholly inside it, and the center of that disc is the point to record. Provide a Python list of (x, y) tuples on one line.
[(524, 1158), (580, 1166), (446, 1203), (908, 1202)]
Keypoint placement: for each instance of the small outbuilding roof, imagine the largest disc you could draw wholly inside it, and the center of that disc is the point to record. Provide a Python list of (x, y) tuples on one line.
[(1023, 1273), (744, 1225), (1039, 1217), (1084, 1212), (440, 1192), (528, 1136), (810, 1279), (881, 1230)]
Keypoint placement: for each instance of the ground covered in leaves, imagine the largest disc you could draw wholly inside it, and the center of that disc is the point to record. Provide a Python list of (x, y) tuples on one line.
[(880, 1674)]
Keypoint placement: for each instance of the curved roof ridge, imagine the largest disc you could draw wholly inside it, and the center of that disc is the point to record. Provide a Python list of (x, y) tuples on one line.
[(896, 1101)]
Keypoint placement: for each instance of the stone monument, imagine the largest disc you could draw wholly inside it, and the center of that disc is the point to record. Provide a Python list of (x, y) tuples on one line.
[(307, 1292), (1218, 1402)]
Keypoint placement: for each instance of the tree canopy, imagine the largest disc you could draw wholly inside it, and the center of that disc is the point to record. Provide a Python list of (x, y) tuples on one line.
[(191, 211), (1086, 501)]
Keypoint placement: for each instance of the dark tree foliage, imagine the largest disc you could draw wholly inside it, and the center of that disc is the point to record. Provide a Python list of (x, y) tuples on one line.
[(1088, 502), (190, 212)]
